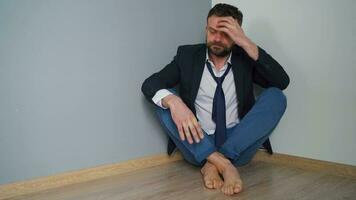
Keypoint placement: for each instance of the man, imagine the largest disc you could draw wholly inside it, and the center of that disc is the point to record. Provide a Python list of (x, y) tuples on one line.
[(215, 121)]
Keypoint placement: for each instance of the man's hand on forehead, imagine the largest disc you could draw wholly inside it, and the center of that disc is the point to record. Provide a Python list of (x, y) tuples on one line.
[(227, 21), (231, 27)]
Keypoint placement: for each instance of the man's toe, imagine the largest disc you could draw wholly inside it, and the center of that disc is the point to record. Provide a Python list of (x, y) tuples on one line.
[(209, 184), (214, 183), (219, 184), (237, 188)]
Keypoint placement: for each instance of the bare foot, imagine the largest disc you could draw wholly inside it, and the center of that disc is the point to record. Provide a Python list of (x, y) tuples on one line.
[(232, 180), (212, 179)]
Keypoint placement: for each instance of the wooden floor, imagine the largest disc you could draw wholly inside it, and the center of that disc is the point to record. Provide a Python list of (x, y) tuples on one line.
[(179, 180)]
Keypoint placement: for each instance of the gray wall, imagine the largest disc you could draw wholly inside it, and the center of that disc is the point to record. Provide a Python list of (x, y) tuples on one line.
[(316, 43), (70, 77)]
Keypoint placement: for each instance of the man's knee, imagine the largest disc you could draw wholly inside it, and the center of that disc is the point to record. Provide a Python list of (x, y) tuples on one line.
[(279, 100)]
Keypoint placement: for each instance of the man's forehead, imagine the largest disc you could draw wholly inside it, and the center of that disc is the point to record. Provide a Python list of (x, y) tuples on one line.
[(212, 22), (214, 18)]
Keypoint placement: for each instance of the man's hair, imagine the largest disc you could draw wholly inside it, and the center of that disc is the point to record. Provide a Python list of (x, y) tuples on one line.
[(226, 10)]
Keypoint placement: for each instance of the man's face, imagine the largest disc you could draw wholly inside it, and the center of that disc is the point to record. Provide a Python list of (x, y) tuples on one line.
[(218, 42)]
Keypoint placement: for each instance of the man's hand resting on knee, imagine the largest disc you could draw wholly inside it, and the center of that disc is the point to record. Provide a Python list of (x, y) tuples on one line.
[(183, 117)]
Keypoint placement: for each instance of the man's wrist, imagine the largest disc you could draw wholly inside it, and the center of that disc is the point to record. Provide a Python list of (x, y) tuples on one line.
[(250, 48), (170, 100)]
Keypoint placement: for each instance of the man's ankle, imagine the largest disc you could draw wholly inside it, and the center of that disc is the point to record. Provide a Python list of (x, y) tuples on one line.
[(219, 160)]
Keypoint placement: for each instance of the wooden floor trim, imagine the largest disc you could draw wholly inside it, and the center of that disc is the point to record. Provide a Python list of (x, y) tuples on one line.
[(308, 164), (50, 182), (60, 180)]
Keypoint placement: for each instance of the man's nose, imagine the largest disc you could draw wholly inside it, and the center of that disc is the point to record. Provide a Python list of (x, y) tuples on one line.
[(218, 37)]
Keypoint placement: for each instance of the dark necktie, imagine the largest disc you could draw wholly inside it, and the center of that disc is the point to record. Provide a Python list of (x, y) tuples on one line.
[(219, 110)]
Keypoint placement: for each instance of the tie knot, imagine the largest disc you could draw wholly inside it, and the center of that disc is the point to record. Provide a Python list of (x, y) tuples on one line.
[(218, 80)]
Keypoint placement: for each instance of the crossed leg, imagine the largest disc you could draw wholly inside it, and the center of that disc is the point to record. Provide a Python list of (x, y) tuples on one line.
[(241, 144)]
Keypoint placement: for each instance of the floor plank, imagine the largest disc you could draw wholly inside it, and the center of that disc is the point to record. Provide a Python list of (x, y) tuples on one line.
[(179, 180)]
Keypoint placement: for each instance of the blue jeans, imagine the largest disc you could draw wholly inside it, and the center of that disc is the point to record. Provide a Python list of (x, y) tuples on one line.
[(242, 141)]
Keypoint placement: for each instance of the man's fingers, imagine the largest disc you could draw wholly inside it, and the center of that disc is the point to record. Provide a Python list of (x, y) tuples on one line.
[(200, 132), (181, 133), (198, 128), (225, 30), (229, 27), (187, 133), (225, 24), (230, 20), (193, 132)]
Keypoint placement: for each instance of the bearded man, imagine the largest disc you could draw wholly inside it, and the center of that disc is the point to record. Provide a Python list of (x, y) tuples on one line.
[(215, 120)]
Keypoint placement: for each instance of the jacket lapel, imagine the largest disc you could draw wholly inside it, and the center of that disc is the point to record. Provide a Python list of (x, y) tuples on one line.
[(198, 68), (238, 72)]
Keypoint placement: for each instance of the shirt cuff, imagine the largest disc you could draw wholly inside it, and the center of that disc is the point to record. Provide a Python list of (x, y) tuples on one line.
[(160, 94)]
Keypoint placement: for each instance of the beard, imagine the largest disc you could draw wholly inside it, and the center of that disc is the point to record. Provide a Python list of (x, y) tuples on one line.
[(218, 49)]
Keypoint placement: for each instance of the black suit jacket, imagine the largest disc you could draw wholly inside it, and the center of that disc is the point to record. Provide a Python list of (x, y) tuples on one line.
[(187, 67)]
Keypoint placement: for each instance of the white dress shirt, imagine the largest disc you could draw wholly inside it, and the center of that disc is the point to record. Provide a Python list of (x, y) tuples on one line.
[(204, 100)]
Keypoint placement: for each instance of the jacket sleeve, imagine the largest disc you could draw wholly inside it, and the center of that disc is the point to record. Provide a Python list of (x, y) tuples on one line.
[(268, 72), (168, 77)]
